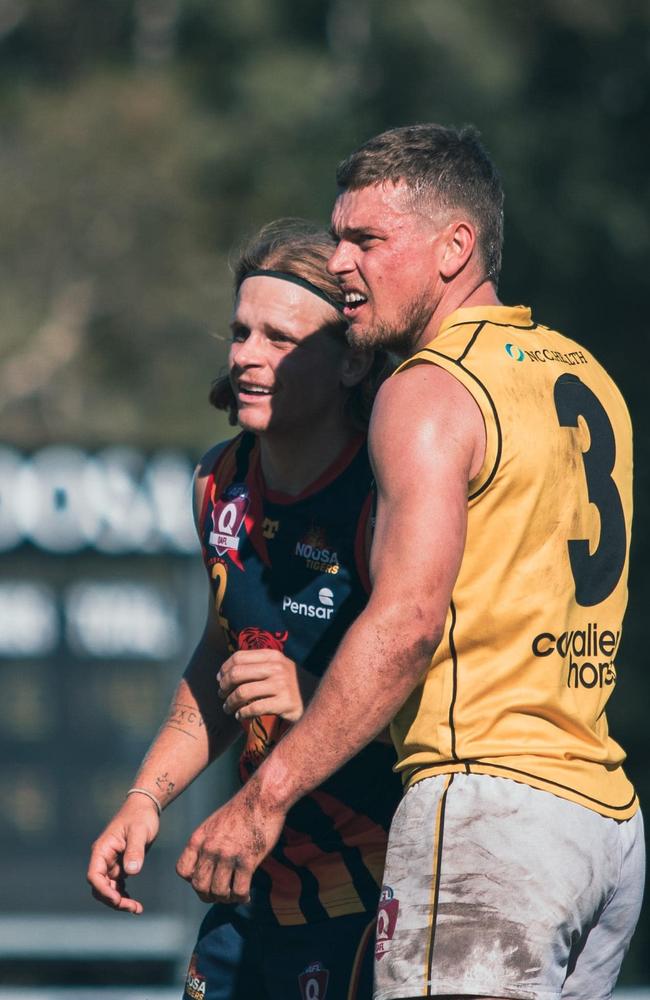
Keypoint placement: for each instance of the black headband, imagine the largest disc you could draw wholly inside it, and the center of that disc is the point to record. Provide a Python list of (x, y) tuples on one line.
[(287, 276)]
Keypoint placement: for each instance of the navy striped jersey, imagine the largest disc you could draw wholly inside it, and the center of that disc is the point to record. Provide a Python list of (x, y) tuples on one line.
[(290, 573)]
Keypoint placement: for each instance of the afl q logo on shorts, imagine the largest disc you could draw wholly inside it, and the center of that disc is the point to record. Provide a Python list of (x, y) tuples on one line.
[(313, 982), (228, 516), (515, 352), (386, 920)]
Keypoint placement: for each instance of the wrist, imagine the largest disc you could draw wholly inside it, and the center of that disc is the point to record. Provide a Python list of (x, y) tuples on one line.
[(144, 793), (275, 783)]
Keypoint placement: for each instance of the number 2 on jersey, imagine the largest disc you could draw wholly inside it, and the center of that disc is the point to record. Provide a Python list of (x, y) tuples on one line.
[(595, 575)]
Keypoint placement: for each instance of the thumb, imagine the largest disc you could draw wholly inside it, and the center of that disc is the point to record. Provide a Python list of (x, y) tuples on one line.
[(136, 843), (187, 862)]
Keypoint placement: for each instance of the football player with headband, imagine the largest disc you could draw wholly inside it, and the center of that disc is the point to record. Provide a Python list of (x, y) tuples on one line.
[(283, 515)]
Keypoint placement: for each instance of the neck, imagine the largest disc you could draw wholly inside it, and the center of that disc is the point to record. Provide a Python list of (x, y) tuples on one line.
[(292, 461), (460, 297)]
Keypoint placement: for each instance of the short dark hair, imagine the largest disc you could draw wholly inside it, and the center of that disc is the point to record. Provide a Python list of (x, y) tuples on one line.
[(436, 162), (302, 249)]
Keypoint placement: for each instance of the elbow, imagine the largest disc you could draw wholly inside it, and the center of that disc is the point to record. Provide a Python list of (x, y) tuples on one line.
[(422, 649), (414, 645)]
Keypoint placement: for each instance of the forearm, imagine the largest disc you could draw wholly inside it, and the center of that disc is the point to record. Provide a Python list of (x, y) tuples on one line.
[(195, 732), (372, 674)]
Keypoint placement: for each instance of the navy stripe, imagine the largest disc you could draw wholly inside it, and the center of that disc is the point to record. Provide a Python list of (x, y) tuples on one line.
[(308, 901), (307, 817)]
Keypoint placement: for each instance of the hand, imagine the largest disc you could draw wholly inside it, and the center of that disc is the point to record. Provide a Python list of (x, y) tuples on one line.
[(223, 852), (263, 682), (119, 852)]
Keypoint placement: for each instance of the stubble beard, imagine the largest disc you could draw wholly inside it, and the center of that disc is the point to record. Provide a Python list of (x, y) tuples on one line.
[(401, 336)]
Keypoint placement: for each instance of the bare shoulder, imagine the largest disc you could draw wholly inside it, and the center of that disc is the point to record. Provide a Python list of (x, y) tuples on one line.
[(423, 419)]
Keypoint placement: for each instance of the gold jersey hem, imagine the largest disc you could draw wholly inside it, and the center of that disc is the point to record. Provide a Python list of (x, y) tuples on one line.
[(515, 770)]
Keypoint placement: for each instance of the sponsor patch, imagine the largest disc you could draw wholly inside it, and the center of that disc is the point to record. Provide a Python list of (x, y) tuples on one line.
[(588, 654), (228, 516), (515, 352), (313, 982), (195, 983), (317, 552), (386, 920), (270, 527), (324, 609)]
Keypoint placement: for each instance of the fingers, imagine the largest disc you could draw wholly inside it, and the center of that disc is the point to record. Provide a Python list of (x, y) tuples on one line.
[(119, 852), (106, 877), (246, 694), (268, 706), (250, 665), (119, 901), (215, 876), (260, 682), (187, 862)]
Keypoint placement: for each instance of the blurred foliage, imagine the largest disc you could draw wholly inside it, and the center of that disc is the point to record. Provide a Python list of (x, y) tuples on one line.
[(140, 139)]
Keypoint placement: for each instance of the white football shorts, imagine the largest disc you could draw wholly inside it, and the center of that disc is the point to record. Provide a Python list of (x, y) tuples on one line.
[(493, 888)]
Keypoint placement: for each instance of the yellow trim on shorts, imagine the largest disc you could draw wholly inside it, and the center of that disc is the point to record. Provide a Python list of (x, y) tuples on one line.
[(435, 882)]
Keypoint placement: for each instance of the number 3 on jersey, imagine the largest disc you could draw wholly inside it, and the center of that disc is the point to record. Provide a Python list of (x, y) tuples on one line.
[(596, 575)]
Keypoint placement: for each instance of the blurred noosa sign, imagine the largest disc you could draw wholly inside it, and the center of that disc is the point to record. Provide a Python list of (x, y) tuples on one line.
[(63, 499)]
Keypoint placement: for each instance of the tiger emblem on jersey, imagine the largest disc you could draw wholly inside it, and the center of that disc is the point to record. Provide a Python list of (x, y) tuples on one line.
[(264, 731)]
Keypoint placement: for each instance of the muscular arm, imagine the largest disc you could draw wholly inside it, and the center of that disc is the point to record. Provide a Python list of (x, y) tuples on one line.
[(427, 442)]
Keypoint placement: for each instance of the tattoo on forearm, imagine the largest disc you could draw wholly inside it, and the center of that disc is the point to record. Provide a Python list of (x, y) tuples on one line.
[(185, 718), (164, 784)]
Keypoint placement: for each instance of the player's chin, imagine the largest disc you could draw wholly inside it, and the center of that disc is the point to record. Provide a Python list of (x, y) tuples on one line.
[(252, 419)]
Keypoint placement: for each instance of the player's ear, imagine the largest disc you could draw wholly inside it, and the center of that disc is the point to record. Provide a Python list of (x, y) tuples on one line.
[(460, 240), (355, 365)]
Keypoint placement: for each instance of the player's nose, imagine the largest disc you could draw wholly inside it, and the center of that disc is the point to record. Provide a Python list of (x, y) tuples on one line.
[(341, 260)]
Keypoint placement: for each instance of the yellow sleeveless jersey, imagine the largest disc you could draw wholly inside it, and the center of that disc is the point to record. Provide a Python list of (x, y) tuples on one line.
[(519, 683)]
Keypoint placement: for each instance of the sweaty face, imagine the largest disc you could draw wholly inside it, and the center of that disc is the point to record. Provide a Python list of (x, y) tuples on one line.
[(385, 262), (284, 362)]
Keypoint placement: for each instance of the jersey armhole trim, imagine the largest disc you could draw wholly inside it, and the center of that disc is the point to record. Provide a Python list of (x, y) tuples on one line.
[(361, 551), (453, 366)]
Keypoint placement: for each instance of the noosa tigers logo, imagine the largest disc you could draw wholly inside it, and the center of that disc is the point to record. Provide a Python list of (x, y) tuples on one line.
[(195, 983)]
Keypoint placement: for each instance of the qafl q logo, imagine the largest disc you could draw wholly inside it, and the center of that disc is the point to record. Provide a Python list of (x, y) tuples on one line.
[(228, 516), (313, 982), (386, 920), (515, 352)]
